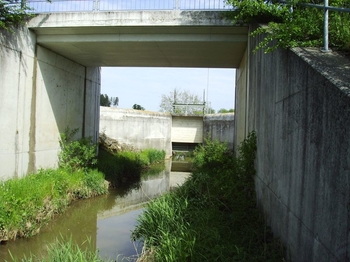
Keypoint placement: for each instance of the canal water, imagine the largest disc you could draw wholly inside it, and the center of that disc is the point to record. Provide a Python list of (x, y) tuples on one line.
[(107, 221)]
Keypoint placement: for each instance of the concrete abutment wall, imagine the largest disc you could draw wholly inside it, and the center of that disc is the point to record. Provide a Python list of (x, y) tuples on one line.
[(145, 129), (42, 93), (220, 127), (300, 109), (137, 128)]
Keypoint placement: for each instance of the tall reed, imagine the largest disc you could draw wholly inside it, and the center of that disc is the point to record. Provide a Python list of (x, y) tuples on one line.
[(213, 216)]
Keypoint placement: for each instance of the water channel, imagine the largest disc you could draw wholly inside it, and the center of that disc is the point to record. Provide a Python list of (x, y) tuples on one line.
[(106, 221)]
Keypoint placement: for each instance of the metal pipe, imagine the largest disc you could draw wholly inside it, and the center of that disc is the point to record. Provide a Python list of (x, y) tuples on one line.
[(326, 8), (325, 27), (332, 8)]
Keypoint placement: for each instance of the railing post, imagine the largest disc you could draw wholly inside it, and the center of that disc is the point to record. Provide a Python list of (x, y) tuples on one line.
[(325, 27), (96, 5), (176, 4)]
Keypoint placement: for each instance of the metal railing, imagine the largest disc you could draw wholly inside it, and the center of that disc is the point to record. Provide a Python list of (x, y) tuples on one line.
[(326, 8), (44, 6)]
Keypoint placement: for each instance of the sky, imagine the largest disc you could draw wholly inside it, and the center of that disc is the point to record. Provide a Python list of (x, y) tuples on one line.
[(145, 86), (109, 5)]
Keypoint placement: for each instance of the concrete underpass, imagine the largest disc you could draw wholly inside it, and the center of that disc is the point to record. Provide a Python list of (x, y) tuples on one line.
[(296, 100)]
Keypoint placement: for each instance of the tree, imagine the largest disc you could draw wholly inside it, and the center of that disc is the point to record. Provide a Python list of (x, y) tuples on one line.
[(114, 101), (292, 24), (182, 103), (138, 107), (106, 101), (224, 111), (13, 13), (210, 110)]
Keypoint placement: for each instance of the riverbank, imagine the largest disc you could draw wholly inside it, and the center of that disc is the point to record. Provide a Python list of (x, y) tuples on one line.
[(106, 220), (28, 203), (213, 216)]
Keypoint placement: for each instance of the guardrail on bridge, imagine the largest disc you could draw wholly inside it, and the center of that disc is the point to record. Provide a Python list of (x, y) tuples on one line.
[(44, 6)]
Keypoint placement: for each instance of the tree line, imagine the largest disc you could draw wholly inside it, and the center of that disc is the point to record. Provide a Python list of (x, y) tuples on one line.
[(177, 102)]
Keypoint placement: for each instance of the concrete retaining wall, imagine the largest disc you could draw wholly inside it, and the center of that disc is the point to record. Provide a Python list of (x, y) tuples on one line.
[(220, 127), (41, 94), (299, 104), (140, 129), (242, 81)]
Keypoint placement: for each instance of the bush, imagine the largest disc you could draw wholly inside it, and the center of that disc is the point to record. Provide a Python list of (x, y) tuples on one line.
[(303, 26), (125, 167), (13, 14), (153, 155), (211, 155), (76, 155)]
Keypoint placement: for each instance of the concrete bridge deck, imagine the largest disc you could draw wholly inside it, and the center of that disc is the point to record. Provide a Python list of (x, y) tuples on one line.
[(171, 38)]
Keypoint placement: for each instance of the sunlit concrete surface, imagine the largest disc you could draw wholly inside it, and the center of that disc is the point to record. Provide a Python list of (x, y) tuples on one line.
[(143, 38)]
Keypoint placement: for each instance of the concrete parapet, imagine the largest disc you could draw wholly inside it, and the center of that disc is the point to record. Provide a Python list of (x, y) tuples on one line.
[(130, 18)]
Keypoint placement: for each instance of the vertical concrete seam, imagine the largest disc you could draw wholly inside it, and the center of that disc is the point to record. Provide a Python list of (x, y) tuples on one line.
[(247, 85), (97, 95), (84, 103), (17, 116), (32, 128)]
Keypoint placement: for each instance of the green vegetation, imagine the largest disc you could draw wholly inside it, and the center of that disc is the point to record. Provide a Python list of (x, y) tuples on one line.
[(152, 156), (291, 24), (125, 167), (138, 107), (225, 111), (108, 101), (213, 216), (76, 154), (26, 204), (66, 251), (13, 13)]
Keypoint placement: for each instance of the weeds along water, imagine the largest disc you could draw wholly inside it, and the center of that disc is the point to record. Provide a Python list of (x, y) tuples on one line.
[(26, 204), (125, 167), (213, 216), (65, 250)]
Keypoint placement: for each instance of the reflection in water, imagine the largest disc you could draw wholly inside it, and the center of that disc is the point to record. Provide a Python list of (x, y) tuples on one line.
[(106, 220), (113, 236)]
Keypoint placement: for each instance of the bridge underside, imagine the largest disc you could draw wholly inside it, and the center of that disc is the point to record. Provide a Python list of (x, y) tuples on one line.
[(167, 41)]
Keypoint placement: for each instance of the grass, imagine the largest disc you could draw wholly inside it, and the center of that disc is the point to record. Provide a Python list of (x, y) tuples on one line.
[(66, 251), (213, 216), (28, 203)]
